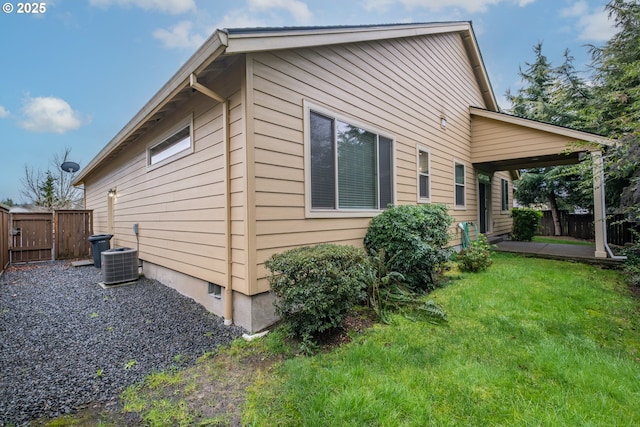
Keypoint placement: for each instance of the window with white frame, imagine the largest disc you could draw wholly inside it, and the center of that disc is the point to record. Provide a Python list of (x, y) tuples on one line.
[(424, 175), (459, 174), (178, 143), (504, 184), (351, 167)]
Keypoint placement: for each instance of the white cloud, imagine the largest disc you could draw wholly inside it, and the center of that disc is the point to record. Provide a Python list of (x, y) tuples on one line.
[(179, 36), (592, 24), (167, 6), (579, 8), (595, 27), (49, 114), (470, 6), (3, 112), (296, 8), (239, 18)]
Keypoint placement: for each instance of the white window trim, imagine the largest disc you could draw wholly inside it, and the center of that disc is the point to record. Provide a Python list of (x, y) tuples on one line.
[(502, 189), (456, 206), (338, 213), (424, 149), (187, 121)]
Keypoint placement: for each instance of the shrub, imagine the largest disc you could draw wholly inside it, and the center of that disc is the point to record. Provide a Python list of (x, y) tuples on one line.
[(525, 223), (316, 286), (632, 263), (476, 257), (414, 239)]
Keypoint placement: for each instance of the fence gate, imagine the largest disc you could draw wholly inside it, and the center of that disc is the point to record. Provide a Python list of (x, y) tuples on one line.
[(72, 231), (31, 237), (43, 236)]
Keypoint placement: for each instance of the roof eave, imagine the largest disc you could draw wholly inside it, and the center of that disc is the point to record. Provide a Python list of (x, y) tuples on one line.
[(205, 55), (246, 41), (533, 124)]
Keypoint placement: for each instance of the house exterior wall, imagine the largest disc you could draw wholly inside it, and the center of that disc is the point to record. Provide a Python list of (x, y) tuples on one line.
[(400, 87), (493, 141), (180, 206), (501, 221)]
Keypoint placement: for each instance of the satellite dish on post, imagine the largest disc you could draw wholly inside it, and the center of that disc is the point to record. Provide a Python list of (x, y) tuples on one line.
[(70, 167)]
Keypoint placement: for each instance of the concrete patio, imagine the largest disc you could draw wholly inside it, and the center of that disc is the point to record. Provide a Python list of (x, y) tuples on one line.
[(568, 252)]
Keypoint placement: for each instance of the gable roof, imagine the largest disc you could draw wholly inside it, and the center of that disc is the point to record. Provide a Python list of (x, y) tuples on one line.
[(223, 43)]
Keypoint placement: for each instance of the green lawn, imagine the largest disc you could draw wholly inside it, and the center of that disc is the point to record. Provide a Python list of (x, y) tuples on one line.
[(530, 342), (565, 241)]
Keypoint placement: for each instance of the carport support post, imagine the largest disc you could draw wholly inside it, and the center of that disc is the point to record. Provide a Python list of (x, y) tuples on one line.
[(599, 219)]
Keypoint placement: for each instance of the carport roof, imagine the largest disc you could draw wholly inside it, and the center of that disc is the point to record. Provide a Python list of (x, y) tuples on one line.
[(502, 141)]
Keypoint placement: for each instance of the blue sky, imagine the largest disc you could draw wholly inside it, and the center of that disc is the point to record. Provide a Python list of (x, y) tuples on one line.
[(73, 75)]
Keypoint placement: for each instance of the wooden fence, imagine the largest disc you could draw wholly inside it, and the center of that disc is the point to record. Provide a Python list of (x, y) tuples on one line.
[(43, 236), (4, 238), (581, 226)]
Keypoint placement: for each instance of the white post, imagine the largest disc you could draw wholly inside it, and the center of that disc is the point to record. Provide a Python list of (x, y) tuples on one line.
[(599, 211)]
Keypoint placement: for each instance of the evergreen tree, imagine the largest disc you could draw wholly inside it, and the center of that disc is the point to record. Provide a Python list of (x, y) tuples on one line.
[(617, 81), (560, 97)]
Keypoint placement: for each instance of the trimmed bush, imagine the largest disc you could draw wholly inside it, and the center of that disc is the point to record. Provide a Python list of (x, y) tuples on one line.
[(525, 223), (476, 257), (316, 286), (414, 240)]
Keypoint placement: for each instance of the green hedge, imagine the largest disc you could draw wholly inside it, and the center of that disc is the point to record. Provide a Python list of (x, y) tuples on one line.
[(316, 286), (414, 239), (526, 223)]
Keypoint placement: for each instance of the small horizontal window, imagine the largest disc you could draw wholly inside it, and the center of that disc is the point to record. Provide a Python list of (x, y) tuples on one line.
[(178, 144)]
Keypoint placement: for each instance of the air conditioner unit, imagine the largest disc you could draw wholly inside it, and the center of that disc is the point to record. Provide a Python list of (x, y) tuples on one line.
[(119, 265)]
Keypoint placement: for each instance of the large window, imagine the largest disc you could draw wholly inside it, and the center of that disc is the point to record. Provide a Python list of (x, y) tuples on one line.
[(459, 174), (179, 143), (351, 167), (424, 175), (505, 194)]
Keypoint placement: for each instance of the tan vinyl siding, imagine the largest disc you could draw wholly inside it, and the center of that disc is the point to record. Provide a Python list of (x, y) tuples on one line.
[(494, 141), (501, 220), (400, 87), (180, 206)]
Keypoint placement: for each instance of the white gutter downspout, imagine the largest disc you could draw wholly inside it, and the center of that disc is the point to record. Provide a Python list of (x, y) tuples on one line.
[(228, 291)]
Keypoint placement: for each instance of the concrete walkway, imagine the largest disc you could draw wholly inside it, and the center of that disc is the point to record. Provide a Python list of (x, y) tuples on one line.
[(567, 252)]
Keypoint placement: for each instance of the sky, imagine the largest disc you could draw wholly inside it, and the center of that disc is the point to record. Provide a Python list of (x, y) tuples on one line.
[(74, 72)]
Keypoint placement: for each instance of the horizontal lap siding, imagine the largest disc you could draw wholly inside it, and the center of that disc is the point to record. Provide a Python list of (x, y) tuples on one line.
[(180, 206), (494, 141), (502, 221), (400, 87)]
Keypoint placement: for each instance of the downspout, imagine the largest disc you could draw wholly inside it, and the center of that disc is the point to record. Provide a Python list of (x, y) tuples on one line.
[(228, 291)]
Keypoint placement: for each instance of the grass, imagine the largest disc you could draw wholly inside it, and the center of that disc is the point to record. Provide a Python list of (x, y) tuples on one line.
[(562, 241), (529, 342)]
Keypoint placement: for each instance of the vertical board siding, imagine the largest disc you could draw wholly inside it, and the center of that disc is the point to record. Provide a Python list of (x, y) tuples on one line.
[(400, 87), (180, 206)]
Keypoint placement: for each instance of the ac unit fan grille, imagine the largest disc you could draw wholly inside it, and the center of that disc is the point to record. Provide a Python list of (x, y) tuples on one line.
[(119, 265)]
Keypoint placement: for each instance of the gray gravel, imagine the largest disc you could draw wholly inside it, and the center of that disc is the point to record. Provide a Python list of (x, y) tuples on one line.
[(66, 343)]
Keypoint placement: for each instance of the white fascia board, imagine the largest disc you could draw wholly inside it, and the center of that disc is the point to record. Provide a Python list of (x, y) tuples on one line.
[(260, 41)]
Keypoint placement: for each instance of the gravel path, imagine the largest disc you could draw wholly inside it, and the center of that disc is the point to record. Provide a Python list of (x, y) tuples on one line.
[(66, 342)]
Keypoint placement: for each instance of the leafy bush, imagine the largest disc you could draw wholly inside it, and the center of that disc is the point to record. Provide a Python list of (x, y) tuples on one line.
[(525, 223), (632, 263), (387, 294), (476, 257), (316, 286), (414, 239)]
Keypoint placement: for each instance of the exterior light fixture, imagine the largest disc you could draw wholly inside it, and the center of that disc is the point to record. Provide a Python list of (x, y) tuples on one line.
[(112, 192), (443, 121)]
